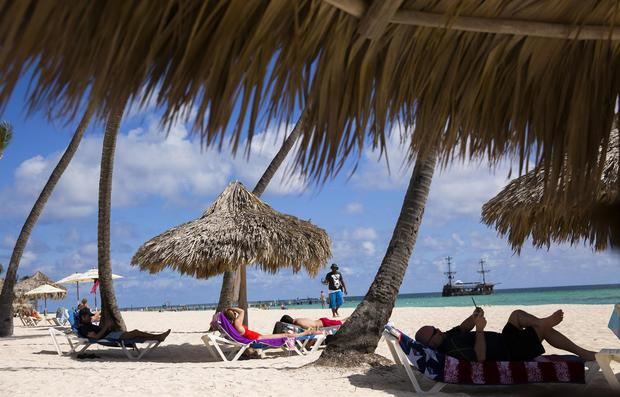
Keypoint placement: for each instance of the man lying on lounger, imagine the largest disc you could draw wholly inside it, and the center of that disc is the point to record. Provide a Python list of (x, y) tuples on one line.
[(92, 331), (520, 340)]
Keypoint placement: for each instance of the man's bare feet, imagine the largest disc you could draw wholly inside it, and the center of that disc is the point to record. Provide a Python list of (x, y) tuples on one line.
[(162, 337), (554, 319)]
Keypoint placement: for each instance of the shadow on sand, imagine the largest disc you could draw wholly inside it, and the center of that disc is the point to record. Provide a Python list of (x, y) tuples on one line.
[(393, 381), (168, 353)]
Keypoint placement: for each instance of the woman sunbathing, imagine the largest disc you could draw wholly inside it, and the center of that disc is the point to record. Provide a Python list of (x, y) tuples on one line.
[(308, 323), (235, 316)]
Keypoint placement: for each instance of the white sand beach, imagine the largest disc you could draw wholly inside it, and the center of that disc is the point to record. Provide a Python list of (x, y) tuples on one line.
[(29, 365)]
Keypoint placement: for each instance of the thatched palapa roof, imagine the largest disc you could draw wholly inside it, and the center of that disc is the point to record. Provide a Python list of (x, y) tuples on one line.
[(237, 229), (505, 76), (520, 210), (36, 280)]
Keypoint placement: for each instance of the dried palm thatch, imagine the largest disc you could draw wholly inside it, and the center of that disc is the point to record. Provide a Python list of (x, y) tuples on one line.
[(237, 229), (36, 280), (521, 209), (503, 76)]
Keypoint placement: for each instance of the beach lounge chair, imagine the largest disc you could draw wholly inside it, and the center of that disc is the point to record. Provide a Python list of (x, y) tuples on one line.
[(606, 356), (444, 369), (27, 320), (78, 343), (305, 345), (229, 345), (61, 319)]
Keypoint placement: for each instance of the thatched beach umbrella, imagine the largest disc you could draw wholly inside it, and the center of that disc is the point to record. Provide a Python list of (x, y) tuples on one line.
[(492, 74), (46, 291), (238, 229), (34, 281), (521, 209)]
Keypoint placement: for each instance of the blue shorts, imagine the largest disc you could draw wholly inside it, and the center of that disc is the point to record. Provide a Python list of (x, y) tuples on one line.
[(336, 299)]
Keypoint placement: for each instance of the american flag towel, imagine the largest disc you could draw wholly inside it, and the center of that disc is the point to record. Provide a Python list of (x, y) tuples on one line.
[(442, 368)]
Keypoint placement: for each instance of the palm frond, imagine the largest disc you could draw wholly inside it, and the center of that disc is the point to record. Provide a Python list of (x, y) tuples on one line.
[(6, 134), (470, 93)]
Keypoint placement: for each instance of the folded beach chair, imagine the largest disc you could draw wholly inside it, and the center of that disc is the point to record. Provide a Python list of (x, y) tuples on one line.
[(78, 343), (229, 345), (445, 369), (606, 356)]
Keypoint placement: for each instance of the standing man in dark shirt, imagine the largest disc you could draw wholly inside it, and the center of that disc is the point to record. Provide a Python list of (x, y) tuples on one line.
[(520, 340), (336, 287), (89, 330)]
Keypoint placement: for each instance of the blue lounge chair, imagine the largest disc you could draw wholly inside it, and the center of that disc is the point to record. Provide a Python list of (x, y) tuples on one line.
[(79, 343)]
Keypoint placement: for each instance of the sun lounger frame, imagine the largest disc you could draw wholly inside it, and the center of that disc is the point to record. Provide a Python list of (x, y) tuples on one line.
[(219, 341), (28, 321), (79, 344), (400, 358), (604, 359)]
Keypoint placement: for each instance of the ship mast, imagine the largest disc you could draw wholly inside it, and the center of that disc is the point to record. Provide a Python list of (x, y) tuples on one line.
[(449, 273), (482, 271)]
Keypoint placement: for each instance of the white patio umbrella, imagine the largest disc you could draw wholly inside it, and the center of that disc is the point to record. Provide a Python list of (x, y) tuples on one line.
[(45, 291), (93, 275), (75, 278)]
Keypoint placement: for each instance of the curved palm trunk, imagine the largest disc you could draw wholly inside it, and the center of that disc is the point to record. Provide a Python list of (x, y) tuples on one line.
[(226, 294), (6, 297), (362, 331), (109, 307)]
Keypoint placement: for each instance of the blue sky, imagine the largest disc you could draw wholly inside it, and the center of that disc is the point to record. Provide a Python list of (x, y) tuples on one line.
[(163, 178)]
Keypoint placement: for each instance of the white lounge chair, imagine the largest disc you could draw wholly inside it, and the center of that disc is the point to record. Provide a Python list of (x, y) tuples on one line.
[(400, 358), (28, 321), (306, 345), (230, 347), (606, 356), (445, 369)]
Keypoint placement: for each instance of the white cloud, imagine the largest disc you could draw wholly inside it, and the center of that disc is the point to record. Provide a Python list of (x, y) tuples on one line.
[(28, 258), (458, 190), (8, 242), (148, 163), (354, 208), (364, 233), (368, 247), (374, 173)]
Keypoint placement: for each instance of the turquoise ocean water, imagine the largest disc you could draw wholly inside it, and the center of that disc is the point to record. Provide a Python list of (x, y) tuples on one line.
[(589, 295)]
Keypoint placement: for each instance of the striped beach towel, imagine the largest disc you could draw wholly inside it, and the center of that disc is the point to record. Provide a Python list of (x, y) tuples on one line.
[(442, 368)]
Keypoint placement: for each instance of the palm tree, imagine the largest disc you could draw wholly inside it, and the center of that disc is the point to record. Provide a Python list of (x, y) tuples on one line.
[(361, 333), (227, 292), (109, 307), (6, 133), (6, 296)]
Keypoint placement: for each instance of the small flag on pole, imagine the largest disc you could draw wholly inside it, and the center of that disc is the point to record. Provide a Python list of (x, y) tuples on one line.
[(94, 288)]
